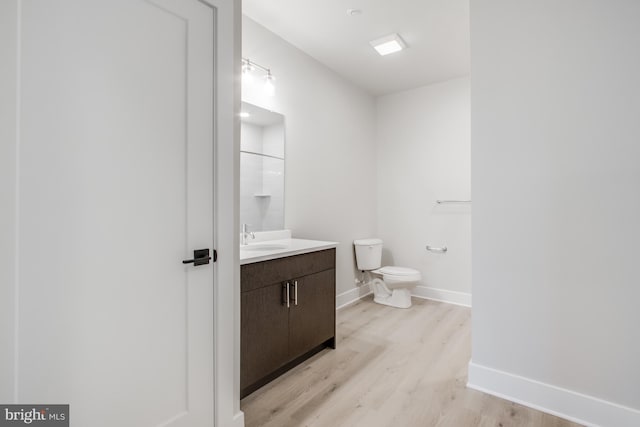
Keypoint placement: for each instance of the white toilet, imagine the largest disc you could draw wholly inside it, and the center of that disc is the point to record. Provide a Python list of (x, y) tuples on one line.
[(395, 287)]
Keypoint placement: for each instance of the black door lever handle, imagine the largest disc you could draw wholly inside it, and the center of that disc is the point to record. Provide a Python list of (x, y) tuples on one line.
[(197, 261), (200, 257)]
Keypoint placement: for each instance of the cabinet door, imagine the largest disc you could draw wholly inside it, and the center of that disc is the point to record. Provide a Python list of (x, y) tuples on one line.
[(264, 333), (312, 320)]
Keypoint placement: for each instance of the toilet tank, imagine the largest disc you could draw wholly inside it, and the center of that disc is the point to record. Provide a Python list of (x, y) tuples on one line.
[(368, 253)]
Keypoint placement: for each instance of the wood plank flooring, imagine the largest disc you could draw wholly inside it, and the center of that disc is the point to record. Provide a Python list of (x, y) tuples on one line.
[(392, 368)]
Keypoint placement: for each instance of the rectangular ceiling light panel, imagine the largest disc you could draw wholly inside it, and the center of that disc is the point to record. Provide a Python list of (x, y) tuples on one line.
[(388, 44)]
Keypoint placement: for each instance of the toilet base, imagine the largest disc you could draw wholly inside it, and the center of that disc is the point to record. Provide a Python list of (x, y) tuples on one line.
[(399, 298)]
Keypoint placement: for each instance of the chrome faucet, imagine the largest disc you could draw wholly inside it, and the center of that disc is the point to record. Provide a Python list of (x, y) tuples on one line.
[(245, 234)]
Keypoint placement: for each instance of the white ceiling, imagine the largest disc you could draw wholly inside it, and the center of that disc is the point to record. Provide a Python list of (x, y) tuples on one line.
[(436, 31)]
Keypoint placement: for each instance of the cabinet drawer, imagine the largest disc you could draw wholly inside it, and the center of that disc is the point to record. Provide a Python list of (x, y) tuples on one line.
[(261, 274)]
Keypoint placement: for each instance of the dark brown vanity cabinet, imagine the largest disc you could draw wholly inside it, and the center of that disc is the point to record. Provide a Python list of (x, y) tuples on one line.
[(287, 314)]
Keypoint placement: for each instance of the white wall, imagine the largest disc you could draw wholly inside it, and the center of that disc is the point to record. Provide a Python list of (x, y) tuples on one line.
[(424, 155), (555, 173), (7, 194), (330, 149)]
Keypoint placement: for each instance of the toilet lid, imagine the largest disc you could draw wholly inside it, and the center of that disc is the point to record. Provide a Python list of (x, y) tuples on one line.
[(367, 242), (397, 271)]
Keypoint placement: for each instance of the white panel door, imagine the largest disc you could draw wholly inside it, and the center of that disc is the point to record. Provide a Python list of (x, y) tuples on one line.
[(115, 190)]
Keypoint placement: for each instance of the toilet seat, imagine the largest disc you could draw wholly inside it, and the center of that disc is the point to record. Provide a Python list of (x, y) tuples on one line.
[(399, 274)]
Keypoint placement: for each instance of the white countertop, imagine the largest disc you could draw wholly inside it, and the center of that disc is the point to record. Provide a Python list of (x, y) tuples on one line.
[(272, 249)]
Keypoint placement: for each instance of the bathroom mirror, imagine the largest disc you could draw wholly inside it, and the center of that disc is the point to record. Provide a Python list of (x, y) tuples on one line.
[(261, 168)]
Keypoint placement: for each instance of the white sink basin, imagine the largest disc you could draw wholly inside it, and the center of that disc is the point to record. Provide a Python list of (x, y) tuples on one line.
[(264, 247)]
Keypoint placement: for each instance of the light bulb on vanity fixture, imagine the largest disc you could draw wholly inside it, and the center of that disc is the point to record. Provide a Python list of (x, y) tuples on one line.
[(269, 84), (248, 69)]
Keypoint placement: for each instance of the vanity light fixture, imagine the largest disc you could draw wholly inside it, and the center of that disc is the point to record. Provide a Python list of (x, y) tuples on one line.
[(244, 114), (249, 67), (388, 44)]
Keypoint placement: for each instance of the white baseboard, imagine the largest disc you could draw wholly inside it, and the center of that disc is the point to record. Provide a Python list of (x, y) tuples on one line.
[(561, 402), (443, 295), (351, 296), (452, 297), (238, 419)]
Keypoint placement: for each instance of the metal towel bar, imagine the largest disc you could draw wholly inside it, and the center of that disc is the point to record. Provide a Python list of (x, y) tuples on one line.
[(437, 250), (452, 201)]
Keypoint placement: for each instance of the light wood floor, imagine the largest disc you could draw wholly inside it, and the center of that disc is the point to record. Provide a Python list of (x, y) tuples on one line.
[(392, 368)]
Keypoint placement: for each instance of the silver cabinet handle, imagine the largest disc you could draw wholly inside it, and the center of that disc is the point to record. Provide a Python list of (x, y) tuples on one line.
[(437, 250), (295, 292), (288, 284)]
